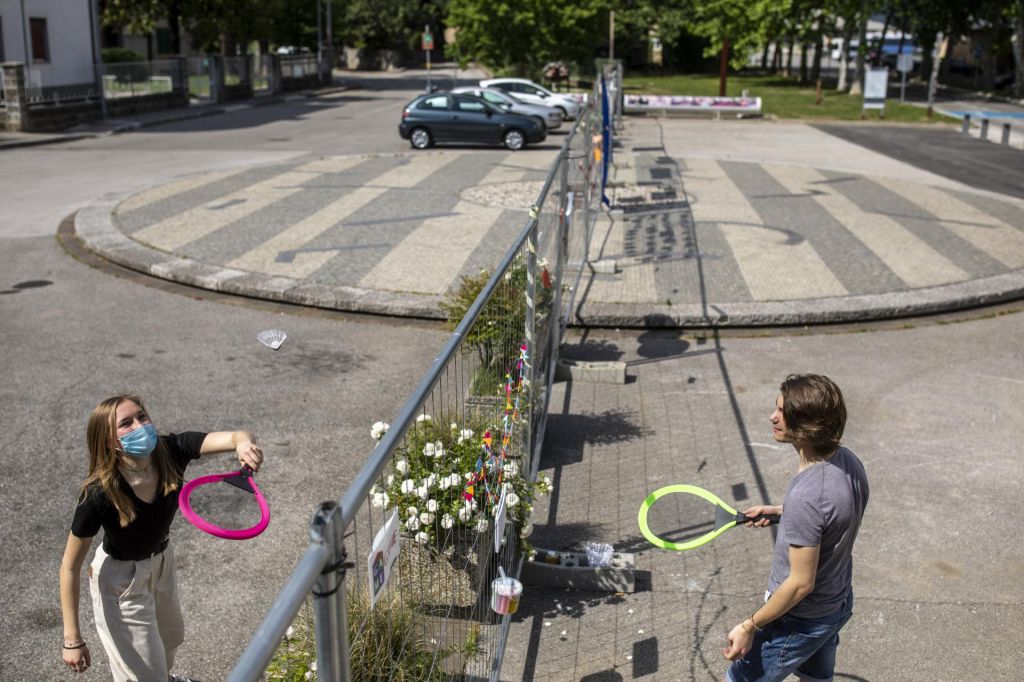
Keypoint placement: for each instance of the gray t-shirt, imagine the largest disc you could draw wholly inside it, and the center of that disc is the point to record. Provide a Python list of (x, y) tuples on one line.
[(824, 508)]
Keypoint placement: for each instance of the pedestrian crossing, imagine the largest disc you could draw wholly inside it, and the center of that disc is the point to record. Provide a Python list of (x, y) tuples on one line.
[(839, 241)]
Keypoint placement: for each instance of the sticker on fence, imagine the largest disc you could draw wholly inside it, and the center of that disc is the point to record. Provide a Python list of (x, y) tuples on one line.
[(499, 524), (383, 555)]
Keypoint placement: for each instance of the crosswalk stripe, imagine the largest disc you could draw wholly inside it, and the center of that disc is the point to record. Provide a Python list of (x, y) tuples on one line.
[(903, 252), (430, 258), (263, 258), (186, 227), (771, 268), (988, 234), (415, 170), (515, 166), (151, 196)]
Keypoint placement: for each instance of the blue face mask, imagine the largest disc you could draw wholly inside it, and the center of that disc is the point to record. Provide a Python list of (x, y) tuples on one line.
[(140, 442)]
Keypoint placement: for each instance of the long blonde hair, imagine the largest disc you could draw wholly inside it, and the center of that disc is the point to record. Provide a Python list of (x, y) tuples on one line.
[(101, 439)]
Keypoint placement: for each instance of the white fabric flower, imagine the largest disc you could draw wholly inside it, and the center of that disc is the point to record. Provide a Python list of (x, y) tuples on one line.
[(402, 467), (391, 480), (445, 483), (424, 417), (465, 513), (412, 523), (412, 511), (447, 521), (454, 480), (511, 499), (378, 430), (423, 492), (428, 450), (465, 434), (510, 468), (408, 485), (426, 518), (380, 500), (432, 505), (422, 538), (481, 525)]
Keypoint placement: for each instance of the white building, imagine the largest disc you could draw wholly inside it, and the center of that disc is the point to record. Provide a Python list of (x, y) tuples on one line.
[(57, 40)]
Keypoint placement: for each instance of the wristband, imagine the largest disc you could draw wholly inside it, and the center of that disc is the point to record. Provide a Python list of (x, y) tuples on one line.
[(77, 646)]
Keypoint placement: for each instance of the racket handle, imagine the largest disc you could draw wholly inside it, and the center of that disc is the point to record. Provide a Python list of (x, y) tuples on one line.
[(772, 518)]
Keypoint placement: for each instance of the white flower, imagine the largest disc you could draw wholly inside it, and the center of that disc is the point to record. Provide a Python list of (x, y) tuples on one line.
[(455, 427), (430, 480), (378, 430), (426, 518), (465, 513), (391, 480), (465, 434), (510, 468), (380, 500), (402, 467), (408, 485), (428, 450), (481, 525), (511, 499), (412, 511), (412, 523), (435, 449), (454, 480), (447, 521), (422, 538), (423, 492), (445, 483), (525, 532), (432, 505), (424, 417), (289, 633), (469, 475)]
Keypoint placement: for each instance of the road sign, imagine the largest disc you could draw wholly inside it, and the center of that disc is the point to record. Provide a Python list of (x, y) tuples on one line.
[(905, 62), (876, 82), (428, 41)]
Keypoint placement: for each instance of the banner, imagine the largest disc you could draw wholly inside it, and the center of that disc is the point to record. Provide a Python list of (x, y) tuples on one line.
[(606, 144)]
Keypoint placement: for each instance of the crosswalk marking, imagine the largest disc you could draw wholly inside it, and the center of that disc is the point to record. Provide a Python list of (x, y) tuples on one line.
[(430, 258), (515, 166), (263, 258), (186, 227), (772, 268), (995, 238), (414, 171), (903, 252), (151, 196)]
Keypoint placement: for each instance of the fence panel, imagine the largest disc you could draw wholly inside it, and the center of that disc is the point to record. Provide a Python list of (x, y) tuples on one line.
[(199, 75), (453, 478), (141, 79), (50, 84), (261, 72)]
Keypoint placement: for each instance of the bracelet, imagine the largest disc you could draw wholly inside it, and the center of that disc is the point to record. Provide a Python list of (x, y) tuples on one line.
[(77, 646), (756, 629), (742, 625)]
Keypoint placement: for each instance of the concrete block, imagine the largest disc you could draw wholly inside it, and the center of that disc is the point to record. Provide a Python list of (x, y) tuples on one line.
[(610, 372), (604, 267), (572, 571)]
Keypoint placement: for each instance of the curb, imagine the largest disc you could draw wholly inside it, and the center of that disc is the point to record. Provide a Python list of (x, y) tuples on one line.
[(95, 226), (56, 139)]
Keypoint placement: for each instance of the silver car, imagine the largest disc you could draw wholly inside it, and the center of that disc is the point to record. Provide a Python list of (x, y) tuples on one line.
[(550, 116)]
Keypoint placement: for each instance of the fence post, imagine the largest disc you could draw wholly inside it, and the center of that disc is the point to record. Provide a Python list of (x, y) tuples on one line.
[(217, 78), (276, 76), (984, 128), (1006, 134), (329, 604), (15, 97), (965, 127), (531, 324)]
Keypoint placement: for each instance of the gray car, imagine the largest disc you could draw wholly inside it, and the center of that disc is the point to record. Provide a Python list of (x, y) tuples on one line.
[(550, 116)]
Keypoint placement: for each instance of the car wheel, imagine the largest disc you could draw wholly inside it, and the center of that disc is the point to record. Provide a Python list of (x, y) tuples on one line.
[(514, 139), (420, 138)]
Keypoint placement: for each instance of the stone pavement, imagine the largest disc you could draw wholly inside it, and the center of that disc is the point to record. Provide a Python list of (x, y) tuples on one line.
[(713, 223)]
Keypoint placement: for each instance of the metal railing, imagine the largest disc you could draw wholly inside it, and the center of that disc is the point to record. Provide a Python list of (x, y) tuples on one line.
[(453, 476), (141, 79), (298, 66)]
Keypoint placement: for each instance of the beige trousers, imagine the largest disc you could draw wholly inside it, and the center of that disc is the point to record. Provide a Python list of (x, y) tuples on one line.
[(138, 615)]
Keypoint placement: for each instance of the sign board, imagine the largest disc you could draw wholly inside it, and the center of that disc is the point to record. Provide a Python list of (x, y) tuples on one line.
[(739, 105), (428, 41), (499, 524), (905, 62), (383, 555), (876, 83)]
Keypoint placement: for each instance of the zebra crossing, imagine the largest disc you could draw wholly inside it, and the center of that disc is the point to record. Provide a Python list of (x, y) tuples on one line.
[(731, 231)]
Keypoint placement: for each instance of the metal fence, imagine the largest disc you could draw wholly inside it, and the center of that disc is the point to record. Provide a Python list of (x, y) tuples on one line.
[(199, 74), (51, 84), (141, 79), (298, 66), (453, 476), (261, 74)]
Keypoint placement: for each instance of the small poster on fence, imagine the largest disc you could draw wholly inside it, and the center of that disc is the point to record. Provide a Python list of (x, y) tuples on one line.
[(383, 555), (499, 524)]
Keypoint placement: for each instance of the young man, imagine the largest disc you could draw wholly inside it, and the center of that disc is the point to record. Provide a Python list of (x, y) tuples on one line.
[(809, 596)]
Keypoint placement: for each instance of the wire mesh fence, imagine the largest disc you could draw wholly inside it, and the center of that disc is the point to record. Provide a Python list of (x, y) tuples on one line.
[(438, 520), (140, 79)]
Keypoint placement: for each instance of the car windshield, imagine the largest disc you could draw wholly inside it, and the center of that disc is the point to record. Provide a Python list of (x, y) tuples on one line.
[(514, 99)]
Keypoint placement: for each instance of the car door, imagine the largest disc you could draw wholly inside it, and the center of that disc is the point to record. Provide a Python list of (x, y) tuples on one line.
[(472, 120), (435, 113), (530, 94)]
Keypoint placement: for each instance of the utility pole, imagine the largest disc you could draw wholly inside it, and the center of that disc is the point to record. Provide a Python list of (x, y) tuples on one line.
[(611, 35)]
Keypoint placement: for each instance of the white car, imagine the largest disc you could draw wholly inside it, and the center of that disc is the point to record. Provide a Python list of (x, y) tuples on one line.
[(530, 92), (549, 116)]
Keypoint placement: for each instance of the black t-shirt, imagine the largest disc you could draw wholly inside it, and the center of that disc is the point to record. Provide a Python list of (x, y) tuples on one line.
[(143, 536)]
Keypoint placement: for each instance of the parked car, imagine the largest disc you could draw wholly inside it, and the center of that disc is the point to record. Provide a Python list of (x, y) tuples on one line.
[(549, 116), (450, 117), (530, 92)]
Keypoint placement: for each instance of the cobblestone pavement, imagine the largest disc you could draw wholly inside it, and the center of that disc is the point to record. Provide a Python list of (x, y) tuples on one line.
[(824, 232)]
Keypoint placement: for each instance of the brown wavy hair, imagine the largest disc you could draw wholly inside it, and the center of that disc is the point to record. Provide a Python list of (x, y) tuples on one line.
[(814, 410), (101, 439)]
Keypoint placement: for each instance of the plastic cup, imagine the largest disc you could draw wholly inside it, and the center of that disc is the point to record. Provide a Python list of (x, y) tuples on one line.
[(505, 593)]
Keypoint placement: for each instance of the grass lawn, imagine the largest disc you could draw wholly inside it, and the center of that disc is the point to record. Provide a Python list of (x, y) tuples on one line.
[(781, 97)]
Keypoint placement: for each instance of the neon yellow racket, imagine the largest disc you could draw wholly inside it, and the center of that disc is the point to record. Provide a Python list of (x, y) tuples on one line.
[(702, 529)]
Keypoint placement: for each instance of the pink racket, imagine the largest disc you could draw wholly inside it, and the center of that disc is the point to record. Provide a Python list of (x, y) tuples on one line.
[(240, 479)]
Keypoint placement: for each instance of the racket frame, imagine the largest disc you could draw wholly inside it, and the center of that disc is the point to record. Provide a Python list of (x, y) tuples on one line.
[(725, 517), (227, 533)]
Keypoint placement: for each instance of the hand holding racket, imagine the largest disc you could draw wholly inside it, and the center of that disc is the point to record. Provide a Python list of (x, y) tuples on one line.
[(699, 517)]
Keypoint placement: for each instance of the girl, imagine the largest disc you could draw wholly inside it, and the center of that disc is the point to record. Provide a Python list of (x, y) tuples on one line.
[(131, 492)]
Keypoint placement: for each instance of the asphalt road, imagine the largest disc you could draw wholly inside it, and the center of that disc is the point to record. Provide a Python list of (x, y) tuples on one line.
[(943, 398)]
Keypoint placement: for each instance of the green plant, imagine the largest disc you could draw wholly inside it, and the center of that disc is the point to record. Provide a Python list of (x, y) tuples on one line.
[(118, 55), (446, 479)]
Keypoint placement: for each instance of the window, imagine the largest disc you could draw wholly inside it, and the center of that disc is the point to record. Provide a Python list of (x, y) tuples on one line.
[(40, 44), (434, 103), (494, 99), (466, 104)]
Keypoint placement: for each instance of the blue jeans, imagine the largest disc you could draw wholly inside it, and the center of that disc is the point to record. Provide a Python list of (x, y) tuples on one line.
[(791, 645)]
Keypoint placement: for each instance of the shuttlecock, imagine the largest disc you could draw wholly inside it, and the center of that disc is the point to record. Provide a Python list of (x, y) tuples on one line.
[(272, 338)]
